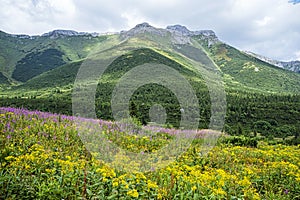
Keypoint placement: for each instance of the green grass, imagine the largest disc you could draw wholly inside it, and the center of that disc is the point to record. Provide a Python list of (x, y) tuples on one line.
[(249, 73)]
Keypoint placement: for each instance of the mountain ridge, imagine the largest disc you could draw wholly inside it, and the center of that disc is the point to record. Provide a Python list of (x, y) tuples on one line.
[(67, 46), (181, 35), (293, 65)]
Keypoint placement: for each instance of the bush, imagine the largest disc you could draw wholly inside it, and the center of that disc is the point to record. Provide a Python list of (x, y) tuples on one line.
[(241, 141)]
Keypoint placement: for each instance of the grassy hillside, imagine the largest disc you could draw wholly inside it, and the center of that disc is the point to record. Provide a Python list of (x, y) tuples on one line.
[(59, 77), (242, 71), (36, 63), (51, 91), (19, 54), (3, 79)]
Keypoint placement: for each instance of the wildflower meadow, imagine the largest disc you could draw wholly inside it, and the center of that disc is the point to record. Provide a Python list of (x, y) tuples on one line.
[(43, 157)]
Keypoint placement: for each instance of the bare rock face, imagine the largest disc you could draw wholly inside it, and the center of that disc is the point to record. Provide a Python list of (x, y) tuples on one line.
[(288, 65), (182, 33), (179, 34), (179, 29), (292, 65), (66, 33), (142, 29)]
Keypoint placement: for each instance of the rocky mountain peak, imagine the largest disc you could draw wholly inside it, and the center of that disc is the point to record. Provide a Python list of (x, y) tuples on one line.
[(179, 29), (143, 25), (179, 34), (62, 33), (143, 28), (183, 33)]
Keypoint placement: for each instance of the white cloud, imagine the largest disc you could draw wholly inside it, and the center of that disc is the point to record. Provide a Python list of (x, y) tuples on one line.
[(297, 54), (269, 27), (263, 22), (132, 18)]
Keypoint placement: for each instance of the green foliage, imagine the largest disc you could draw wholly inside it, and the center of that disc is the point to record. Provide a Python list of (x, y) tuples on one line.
[(36, 63), (59, 77), (149, 94), (240, 141), (262, 127), (285, 131), (13, 49), (249, 73), (3, 79), (42, 157)]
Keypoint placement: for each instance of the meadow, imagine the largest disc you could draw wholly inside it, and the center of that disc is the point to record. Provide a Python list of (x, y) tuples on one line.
[(43, 157)]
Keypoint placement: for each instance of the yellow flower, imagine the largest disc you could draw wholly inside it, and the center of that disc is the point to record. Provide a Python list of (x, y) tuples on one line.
[(105, 179), (115, 183), (50, 170), (219, 191), (245, 182), (68, 157), (140, 176), (133, 193), (159, 196), (194, 188), (9, 158), (151, 184)]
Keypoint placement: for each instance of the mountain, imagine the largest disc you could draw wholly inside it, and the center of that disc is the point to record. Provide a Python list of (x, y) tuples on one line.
[(67, 33), (288, 65), (38, 54), (39, 72)]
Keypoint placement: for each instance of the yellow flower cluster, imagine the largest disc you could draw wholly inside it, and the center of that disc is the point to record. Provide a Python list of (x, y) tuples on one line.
[(133, 193), (59, 163)]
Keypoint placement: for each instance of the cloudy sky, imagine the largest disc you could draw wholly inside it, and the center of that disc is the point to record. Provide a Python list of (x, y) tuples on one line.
[(267, 27)]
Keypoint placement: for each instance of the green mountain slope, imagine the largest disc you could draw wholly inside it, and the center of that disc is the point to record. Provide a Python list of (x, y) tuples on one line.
[(3, 79), (59, 77), (36, 54), (242, 71), (257, 93), (36, 63)]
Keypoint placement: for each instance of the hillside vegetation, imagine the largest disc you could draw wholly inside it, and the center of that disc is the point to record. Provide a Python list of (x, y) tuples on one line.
[(257, 93), (45, 149)]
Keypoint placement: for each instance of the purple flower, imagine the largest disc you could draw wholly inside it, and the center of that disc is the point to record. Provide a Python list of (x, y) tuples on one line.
[(8, 137), (286, 191)]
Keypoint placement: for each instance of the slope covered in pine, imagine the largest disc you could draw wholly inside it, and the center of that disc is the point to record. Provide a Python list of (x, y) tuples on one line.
[(260, 97)]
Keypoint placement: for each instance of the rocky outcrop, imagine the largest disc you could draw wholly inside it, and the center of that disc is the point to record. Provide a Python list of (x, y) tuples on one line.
[(179, 30), (288, 65), (141, 29), (179, 34), (292, 65), (64, 33)]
